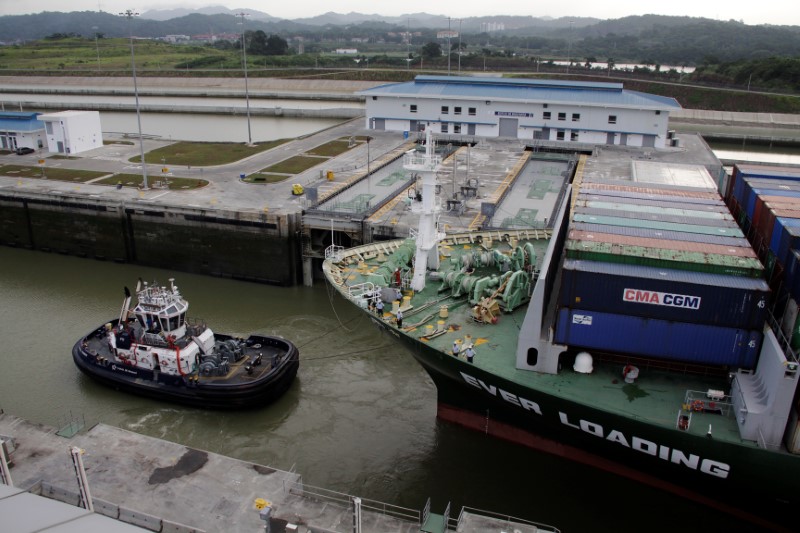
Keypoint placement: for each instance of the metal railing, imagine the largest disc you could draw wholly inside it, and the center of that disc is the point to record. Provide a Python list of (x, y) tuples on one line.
[(699, 401), (509, 520), (334, 252), (346, 501)]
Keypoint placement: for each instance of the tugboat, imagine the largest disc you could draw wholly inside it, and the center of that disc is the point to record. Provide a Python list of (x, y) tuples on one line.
[(155, 351)]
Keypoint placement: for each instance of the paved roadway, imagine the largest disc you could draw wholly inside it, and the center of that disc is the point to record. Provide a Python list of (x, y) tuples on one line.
[(225, 187)]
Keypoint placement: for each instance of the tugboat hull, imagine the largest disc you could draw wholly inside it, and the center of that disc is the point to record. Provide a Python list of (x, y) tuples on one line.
[(241, 392)]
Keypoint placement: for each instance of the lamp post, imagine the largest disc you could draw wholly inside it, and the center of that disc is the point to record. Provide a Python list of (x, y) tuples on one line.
[(448, 46), (569, 47), (459, 47), (129, 14), (246, 91), (96, 47)]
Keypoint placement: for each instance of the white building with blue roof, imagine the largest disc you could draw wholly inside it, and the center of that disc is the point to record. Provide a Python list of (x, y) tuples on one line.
[(21, 129), (553, 110)]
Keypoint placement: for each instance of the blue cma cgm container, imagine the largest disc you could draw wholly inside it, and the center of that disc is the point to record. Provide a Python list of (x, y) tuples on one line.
[(678, 295), (662, 339)]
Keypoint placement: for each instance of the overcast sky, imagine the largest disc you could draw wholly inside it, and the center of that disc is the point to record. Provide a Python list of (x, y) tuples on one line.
[(750, 12)]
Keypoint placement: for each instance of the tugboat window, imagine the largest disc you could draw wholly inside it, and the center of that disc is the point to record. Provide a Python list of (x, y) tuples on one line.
[(533, 356)]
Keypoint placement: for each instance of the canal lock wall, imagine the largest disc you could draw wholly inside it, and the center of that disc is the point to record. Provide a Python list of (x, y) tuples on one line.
[(252, 246)]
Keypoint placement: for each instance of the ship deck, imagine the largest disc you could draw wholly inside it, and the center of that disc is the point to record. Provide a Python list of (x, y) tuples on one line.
[(657, 397)]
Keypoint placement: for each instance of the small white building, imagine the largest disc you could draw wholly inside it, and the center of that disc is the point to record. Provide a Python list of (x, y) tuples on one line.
[(72, 132), (553, 110)]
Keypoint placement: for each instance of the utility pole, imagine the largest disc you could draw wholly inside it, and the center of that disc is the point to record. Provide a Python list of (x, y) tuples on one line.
[(569, 47), (459, 47), (129, 14), (246, 91)]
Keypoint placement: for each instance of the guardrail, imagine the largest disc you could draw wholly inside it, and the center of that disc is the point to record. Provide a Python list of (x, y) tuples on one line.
[(454, 523), (346, 501)]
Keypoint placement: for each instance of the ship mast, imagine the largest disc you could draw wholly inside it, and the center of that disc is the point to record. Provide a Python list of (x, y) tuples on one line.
[(428, 235)]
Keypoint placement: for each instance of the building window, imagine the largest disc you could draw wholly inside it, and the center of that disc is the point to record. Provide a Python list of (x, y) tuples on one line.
[(374, 97), (456, 110), (444, 128), (612, 119), (413, 108), (573, 136), (445, 110), (471, 111), (546, 115), (658, 111), (562, 116), (576, 117), (560, 135)]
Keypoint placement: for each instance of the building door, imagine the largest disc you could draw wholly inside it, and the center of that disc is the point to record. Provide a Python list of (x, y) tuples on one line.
[(379, 124), (623, 139), (60, 147), (412, 125), (508, 127), (470, 129), (610, 137), (649, 141)]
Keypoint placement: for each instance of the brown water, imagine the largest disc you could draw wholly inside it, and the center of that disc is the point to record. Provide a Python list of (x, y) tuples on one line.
[(359, 419)]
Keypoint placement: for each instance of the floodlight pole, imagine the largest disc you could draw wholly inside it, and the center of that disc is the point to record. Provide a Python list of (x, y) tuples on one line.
[(459, 47), (246, 91), (129, 14), (96, 47)]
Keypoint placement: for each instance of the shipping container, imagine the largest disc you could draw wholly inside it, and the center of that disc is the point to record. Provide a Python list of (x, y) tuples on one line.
[(742, 171), (750, 199), (705, 184), (683, 200), (664, 294), (785, 237), (657, 214), (739, 242), (684, 246), (773, 183), (638, 188), (662, 339), (655, 206), (792, 275), (652, 224), (669, 259), (763, 203)]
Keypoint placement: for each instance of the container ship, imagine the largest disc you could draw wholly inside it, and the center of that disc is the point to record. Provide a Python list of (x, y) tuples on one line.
[(648, 330)]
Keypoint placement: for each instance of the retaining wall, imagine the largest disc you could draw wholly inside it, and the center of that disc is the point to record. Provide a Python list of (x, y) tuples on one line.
[(251, 246)]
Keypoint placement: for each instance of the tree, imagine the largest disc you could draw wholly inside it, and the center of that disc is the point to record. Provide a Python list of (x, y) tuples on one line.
[(431, 50), (258, 43), (276, 46)]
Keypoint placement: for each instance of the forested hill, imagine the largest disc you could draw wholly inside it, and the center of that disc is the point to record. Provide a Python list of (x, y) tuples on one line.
[(652, 39)]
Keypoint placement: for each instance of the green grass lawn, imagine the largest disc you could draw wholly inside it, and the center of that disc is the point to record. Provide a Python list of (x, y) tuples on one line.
[(135, 180), (333, 148), (294, 165), (201, 154), (265, 177), (59, 174)]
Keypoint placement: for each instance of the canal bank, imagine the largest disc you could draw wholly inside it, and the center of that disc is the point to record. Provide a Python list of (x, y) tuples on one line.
[(167, 487), (264, 232)]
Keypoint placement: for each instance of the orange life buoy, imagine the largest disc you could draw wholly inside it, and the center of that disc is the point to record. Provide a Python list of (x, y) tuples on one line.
[(698, 405)]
